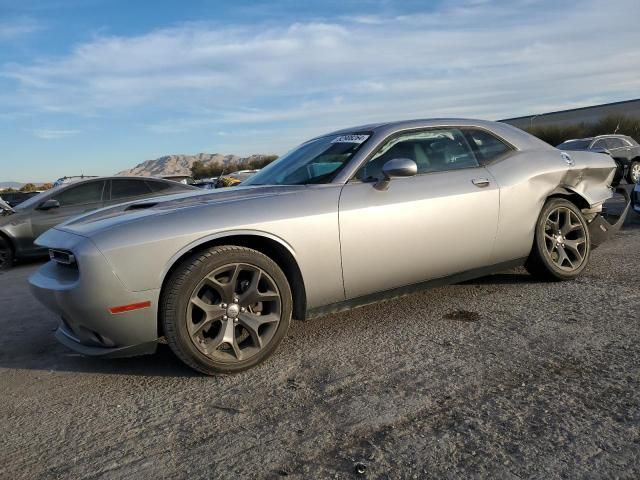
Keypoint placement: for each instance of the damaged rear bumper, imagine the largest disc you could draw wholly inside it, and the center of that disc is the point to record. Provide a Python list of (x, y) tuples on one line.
[(601, 230)]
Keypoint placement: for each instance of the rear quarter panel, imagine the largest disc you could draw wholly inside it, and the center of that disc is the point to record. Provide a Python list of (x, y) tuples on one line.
[(527, 178)]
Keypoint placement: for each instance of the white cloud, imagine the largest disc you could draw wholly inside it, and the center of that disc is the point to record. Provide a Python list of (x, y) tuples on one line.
[(11, 29), (469, 58), (51, 134)]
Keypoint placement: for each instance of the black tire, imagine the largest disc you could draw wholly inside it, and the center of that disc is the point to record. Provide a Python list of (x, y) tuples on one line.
[(633, 175), (6, 254), (177, 311), (542, 263)]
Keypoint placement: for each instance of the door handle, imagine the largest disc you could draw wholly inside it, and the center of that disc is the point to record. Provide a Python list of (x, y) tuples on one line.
[(480, 182)]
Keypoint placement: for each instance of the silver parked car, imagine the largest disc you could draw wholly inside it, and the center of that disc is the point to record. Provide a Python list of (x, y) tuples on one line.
[(345, 219)]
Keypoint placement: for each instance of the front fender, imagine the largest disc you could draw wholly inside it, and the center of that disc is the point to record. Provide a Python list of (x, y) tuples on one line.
[(194, 245)]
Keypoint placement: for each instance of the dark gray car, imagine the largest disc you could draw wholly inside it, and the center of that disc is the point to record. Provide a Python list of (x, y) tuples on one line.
[(21, 225), (624, 149)]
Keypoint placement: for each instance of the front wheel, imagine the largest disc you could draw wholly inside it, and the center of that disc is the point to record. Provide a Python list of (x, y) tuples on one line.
[(562, 244), (226, 309), (634, 172)]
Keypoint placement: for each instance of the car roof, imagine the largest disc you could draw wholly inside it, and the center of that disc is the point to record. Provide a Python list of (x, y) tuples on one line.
[(121, 177), (518, 138), (130, 177), (416, 123), (607, 135), (579, 139)]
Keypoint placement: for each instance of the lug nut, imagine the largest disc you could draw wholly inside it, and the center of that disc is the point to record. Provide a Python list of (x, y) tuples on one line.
[(223, 305), (243, 309), (224, 317)]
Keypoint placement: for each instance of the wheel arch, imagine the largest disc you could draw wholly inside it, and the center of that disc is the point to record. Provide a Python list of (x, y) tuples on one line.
[(574, 197), (271, 246)]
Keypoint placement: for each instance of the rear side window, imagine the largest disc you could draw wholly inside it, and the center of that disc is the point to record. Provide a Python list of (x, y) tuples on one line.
[(158, 186), (615, 143), (128, 188), (85, 193), (486, 146)]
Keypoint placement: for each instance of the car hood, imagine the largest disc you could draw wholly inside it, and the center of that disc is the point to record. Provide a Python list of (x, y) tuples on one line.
[(110, 217)]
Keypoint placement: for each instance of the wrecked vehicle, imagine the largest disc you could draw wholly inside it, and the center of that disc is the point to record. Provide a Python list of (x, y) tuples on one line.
[(345, 219)]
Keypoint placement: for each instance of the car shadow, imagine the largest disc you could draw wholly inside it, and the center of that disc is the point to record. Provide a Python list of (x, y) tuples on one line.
[(163, 363), (58, 359)]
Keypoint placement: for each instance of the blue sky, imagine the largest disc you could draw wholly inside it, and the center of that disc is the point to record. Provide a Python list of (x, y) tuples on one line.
[(97, 86)]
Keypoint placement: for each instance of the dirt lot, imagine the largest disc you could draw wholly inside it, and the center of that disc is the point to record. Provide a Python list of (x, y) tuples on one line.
[(499, 378)]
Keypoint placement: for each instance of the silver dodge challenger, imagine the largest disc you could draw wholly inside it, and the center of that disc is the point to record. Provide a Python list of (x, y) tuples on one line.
[(343, 220)]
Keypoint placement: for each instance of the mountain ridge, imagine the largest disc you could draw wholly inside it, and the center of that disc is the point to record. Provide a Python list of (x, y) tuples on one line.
[(11, 184), (180, 164)]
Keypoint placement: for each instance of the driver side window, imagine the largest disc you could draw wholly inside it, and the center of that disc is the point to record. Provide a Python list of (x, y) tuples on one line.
[(434, 150), (83, 194)]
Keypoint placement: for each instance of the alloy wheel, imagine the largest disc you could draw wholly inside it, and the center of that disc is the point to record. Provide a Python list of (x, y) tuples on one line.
[(234, 312), (565, 239), (635, 172)]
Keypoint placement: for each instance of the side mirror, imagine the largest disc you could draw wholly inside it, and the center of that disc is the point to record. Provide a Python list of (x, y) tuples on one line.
[(397, 167), (49, 204)]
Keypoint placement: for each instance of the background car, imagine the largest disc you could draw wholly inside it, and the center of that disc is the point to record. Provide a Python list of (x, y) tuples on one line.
[(22, 225), (622, 148), (235, 178), (206, 183), (16, 198), (345, 219)]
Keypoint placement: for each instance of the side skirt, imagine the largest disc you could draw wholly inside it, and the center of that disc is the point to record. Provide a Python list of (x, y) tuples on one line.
[(409, 289)]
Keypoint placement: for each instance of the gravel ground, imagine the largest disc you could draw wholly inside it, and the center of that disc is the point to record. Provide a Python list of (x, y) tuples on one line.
[(501, 377)]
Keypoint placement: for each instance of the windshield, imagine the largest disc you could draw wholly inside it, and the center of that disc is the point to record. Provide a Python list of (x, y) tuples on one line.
[(31, 201), (575, 145), (317, 161)]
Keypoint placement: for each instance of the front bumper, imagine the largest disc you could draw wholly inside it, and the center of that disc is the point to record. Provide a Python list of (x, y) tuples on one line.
[(601, 230), (82, 298)]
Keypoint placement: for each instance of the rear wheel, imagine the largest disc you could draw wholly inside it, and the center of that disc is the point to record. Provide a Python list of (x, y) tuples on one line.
[(6, 254), (562, 245), (634, 172), (226, 309)]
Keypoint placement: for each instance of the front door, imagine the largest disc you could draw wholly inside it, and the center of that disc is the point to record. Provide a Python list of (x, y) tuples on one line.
[(74, 200), (440, 222)]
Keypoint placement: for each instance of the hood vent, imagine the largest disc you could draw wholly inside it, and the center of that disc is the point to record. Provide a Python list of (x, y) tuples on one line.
[(140, 206)]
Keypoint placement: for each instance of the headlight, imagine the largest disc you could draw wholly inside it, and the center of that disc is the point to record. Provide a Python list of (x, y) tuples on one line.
[(62, 257)]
